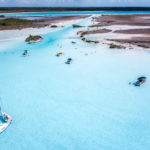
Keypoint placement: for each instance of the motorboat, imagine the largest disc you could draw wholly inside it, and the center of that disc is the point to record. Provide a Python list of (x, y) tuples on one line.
[(69, 60), (140, 81), (60, 53), (26, 53)]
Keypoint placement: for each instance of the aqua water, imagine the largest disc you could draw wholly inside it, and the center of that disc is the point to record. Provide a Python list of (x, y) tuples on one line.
[(87, 105)]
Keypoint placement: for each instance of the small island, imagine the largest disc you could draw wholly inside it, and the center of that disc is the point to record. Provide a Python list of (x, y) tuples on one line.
[(54, 26), (76, 26), (112, 45), (34, 39), (89, 41)]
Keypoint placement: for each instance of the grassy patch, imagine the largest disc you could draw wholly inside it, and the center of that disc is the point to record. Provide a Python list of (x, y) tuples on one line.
[(76, 26), (33, 38), (89, 41), (13, 22), (116, 46), (54, 26)]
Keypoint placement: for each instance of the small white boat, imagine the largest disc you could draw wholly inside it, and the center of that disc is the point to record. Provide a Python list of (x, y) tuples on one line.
[(6, 120)]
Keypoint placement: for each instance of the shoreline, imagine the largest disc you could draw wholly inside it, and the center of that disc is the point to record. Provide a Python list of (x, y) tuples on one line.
[(21, 34), (46, 22), (113, 31)]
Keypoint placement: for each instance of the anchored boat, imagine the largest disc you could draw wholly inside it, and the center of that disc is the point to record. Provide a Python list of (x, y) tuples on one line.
[(69, 60), (60, 53), (5, 120), (26, 53), (140, 81)]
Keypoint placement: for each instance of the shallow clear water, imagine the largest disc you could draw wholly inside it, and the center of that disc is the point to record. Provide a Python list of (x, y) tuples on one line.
[(87, 105), (75, 13), (31, 17)]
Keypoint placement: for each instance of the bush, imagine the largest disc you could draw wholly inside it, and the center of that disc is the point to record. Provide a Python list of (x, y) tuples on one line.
[(54, 26), (89, 41), (33, 38), (76, 26), (116, 46), (13, 22)]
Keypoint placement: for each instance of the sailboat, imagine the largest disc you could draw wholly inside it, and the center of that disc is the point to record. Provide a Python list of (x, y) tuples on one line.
[(5, 120)]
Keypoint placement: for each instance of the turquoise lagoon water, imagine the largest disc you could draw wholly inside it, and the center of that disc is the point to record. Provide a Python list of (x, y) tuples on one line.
[(74, 13), (87, 105)]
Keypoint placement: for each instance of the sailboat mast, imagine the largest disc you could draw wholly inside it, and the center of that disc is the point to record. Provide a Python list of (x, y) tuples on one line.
[(0, 111)]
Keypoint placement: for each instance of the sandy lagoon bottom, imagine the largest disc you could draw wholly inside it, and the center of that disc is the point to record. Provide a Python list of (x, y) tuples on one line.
[(87, 105)]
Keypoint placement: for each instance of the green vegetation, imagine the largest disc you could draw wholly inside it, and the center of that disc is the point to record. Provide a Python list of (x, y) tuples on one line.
[(13, 22), (143, 46), (33, 38), (89, 41), (83, 33), (54, 26), (76, 26), (95, 25), (116, 46)]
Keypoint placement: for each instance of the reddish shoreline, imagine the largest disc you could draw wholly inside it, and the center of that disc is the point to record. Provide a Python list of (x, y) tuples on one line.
[(133, 20), (145, 31), (143, 42)]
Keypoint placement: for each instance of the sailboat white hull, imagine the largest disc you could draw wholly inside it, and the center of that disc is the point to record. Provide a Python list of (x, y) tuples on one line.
[(4, 125)]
